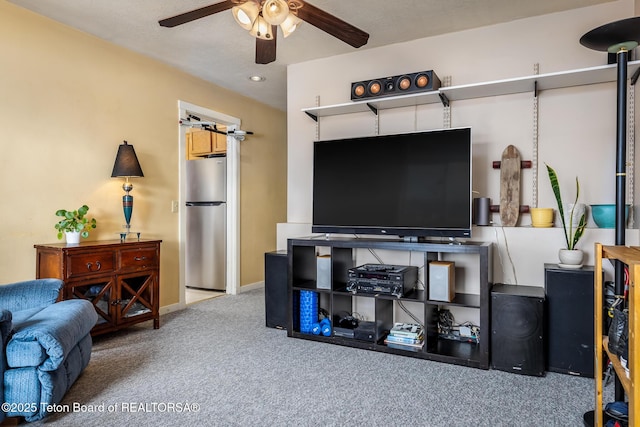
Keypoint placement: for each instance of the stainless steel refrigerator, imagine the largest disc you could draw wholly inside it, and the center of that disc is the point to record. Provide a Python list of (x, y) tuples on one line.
[(206, 207)]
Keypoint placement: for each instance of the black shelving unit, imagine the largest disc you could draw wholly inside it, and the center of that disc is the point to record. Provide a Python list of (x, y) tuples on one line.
[(302, 254)]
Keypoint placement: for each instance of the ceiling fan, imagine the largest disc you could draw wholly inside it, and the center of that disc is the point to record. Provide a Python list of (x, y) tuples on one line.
[(262, 17)]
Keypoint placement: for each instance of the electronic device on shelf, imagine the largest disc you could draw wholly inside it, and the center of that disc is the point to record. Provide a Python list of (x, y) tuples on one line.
[(345, 324), (379, 87), (411, 185), (456, 336), (368, 331), (343, 332), (382, 279), (363, 331)]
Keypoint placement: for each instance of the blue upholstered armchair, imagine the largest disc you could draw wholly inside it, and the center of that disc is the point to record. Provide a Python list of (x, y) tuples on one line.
[(47, 344)]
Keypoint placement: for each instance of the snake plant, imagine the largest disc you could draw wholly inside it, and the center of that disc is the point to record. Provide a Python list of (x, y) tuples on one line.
[(571, 236)]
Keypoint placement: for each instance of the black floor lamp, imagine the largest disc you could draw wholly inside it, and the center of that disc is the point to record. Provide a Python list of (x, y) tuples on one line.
[(618, 37)]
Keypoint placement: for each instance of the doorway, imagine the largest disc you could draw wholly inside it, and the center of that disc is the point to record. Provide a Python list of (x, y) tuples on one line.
[(233, 194)]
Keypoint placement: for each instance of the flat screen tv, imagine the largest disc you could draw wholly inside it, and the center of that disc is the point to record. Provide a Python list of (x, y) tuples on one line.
[(409, 185)]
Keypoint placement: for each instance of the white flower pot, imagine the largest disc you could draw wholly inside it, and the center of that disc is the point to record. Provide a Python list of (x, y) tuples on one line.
[(72, 237), (571, 258)]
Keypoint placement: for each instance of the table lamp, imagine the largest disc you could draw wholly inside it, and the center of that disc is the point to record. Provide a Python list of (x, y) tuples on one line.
[(127, 166)]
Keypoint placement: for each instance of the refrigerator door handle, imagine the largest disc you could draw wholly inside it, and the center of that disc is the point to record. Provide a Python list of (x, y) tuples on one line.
[(204, 203)]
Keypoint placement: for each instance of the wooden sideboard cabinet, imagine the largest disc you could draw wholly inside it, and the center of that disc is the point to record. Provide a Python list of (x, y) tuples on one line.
[(121, 279)]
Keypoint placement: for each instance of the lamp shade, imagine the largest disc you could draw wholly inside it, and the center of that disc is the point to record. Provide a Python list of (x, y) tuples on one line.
[(126, 163), (290, 24), (275, 11), (613, 36), (246, 14)]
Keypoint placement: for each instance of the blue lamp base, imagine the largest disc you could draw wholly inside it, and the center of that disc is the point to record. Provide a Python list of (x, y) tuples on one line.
[(127, 207)]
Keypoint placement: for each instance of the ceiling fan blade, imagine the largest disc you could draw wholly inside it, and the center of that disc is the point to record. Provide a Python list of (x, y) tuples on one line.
[(266, 49), (183, 18), (332, 25)]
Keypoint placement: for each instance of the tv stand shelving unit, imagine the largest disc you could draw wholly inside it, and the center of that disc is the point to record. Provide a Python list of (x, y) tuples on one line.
[(302, 254)]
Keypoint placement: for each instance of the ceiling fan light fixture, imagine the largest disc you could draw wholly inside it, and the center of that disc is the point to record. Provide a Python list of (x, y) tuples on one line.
[(288, 14), (275, 11), (246, 14), (290, 24), (261, 29)]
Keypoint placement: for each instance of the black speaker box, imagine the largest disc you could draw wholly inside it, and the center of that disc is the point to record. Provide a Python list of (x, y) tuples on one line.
[(422, 81), (569, 320), (276, 267), (517, 329)]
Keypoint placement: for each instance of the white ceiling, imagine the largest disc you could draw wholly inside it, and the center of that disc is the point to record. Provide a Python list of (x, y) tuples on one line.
[(216, 49)]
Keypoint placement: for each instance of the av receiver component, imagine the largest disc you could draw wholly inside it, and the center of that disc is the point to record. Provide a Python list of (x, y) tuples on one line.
[(422, 81), (382, 279)]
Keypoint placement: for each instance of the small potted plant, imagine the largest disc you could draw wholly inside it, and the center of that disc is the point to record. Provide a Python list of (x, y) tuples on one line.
[(74, 224), (574, 223)]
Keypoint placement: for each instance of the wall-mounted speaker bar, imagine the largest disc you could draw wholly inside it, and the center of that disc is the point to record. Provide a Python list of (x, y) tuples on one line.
[(422, 81)]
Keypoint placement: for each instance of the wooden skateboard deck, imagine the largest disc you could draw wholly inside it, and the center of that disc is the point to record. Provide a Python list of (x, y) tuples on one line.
[(510, 186)]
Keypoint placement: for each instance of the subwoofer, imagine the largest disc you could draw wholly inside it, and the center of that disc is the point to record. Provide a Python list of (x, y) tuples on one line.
[(517, 329), (276, 267), (422, 81)]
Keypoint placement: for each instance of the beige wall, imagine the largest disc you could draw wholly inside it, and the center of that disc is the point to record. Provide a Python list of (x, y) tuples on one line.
[(68, 99)]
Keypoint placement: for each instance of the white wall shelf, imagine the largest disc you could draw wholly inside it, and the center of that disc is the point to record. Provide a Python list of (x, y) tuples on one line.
[(532, 83), (373, 105)]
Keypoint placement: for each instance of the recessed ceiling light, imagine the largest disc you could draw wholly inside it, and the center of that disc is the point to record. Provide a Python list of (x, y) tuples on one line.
[(257, 78)]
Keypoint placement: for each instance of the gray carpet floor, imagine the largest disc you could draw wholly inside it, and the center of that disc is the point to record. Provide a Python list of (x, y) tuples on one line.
[(216, 364)]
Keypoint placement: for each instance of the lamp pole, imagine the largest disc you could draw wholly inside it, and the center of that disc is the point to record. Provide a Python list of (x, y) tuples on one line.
[(621, 175), (618, 37)]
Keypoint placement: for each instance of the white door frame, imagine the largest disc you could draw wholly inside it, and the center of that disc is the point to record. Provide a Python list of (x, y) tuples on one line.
[(233, 194)]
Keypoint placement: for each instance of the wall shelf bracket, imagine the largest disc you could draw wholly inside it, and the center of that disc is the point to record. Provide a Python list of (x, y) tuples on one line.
[(444, 99), (313, 116), (634, 77), (524, 164), (496, 209)]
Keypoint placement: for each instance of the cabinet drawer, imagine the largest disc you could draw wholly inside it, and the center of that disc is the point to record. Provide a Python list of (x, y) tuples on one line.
[(83, 264), (133, 259)]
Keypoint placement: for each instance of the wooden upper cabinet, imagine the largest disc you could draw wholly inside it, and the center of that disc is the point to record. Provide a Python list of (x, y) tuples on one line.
[(220, 144), (203, 143)]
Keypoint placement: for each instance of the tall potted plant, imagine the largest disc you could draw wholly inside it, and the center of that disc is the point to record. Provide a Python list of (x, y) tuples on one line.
[(74, 224), (570, 256)]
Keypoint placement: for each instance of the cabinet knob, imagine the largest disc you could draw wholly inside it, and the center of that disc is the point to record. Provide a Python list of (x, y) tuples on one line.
[(90, 265), (140, 258)]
